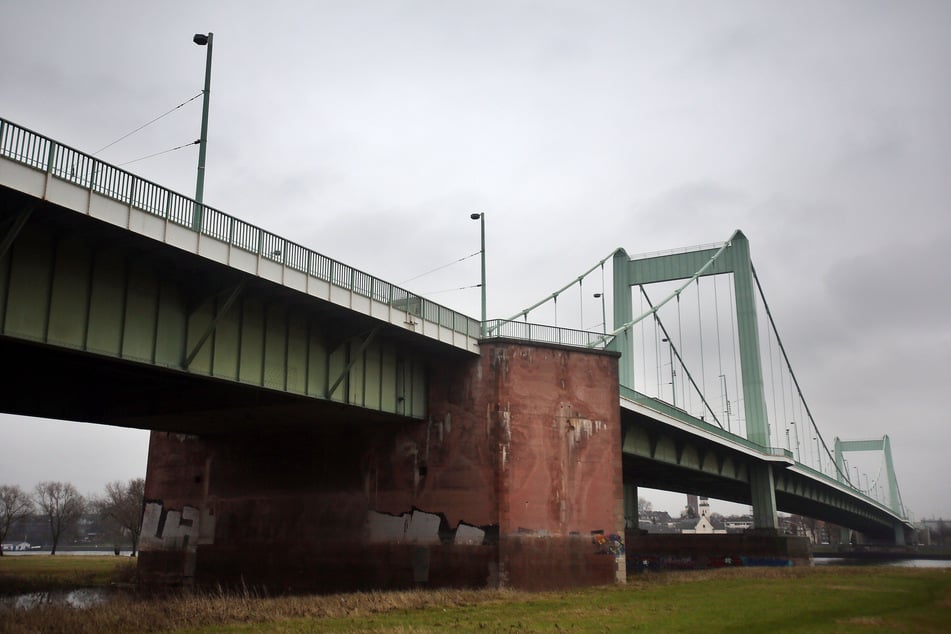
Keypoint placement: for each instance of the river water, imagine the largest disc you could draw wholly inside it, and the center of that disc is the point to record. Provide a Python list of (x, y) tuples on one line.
[(897, 563)]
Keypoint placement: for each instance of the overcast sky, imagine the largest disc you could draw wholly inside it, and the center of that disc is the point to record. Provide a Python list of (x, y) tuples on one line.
[(369, 131)]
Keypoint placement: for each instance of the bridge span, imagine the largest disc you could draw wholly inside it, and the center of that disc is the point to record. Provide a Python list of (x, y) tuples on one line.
[(314, 426)]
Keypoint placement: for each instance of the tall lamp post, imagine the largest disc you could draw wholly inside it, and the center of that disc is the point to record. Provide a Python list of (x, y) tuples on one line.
[(481, 218), (796, 434), (673, 373), (202, 39)]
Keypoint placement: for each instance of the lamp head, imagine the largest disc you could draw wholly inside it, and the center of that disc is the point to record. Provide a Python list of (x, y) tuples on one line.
[(475, 216), (200, 39)]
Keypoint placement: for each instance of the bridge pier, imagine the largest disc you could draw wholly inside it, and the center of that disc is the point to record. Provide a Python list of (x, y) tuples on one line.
[(763, 496), (513, 480)]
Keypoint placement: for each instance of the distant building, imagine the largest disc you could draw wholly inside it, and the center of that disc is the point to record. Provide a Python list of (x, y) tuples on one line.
[(16, 546), (704, 525), (693, 506)]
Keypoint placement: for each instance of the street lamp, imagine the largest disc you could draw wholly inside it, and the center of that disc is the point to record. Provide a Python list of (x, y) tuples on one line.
[(604, 319), (201, 39), (727, 410), (481, 218), (673, 372), (796, 434)]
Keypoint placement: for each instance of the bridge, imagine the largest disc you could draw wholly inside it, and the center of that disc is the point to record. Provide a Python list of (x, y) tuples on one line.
[(315, 426)]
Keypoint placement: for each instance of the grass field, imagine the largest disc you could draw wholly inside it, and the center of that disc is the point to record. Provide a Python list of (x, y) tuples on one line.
[(39, 573), (822, 599)]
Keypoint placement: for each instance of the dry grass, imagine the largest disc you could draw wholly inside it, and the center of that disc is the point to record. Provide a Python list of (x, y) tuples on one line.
[(129, 613), (818, 598)]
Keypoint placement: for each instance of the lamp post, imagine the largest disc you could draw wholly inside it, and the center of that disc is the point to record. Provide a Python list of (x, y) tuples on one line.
[(796, 434), (673, 373), (481, 218), (604, 318), (727, 410), (202, 39)]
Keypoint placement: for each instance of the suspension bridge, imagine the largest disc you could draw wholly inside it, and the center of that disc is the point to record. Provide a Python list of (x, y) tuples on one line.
[(700, 346), (316, 426)]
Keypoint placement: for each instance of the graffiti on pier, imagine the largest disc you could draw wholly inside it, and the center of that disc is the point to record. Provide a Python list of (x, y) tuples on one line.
[(174, 529)]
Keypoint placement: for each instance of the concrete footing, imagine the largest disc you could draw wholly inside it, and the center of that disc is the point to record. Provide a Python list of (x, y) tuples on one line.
[(647, 552)]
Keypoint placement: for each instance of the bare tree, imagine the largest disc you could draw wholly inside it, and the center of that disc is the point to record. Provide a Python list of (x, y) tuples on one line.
[(62, 505), (644, 507), (15, 505), (122, 507)]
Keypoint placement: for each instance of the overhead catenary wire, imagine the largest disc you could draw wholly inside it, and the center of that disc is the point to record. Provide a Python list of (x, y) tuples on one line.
[(145, 125), (142, 158), (449, 290), (442, 266)]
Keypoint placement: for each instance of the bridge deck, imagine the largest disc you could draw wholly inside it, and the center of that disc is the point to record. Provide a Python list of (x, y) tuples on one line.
[(50, 171)]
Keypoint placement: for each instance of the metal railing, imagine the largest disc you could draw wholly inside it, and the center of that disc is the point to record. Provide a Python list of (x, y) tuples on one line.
[(65, 163), (509, 329)]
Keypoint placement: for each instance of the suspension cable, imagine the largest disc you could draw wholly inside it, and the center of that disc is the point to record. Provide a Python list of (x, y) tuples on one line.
[(673, 349), (703, 370), (736, 365), (782, 349), (772, 384), (683, 348), (720, 376), (524, 312)]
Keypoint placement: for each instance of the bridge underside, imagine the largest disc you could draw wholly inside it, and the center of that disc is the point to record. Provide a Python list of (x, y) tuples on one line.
[(657, 455), (103, 325), (113, 392)]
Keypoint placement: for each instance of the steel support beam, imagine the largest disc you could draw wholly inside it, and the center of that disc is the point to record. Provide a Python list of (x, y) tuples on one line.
[(19, 221), (355, 356), (235, 293)]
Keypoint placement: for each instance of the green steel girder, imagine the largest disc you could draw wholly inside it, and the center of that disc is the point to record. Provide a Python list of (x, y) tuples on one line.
[(16, 225), (876, 444), (733, 257), (682, 452), (104, 291), (357, 354), (235, 293)]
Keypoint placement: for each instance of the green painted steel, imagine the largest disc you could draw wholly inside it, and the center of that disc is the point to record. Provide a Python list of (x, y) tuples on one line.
[(64, 163), (206, 41), (877, 444), (733, 257), (111, 300)]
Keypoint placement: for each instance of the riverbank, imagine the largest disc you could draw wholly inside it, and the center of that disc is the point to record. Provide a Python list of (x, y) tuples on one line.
[(803, 599), (20, 574), (882, 553)]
